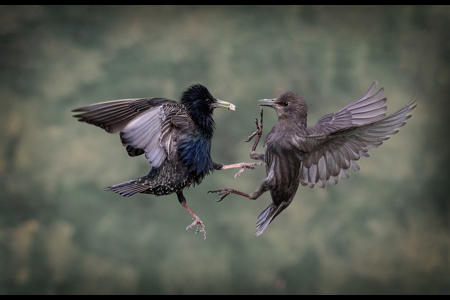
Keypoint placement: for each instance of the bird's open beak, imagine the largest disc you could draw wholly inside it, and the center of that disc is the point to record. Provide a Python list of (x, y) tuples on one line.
[(270, 104), (224, 104)]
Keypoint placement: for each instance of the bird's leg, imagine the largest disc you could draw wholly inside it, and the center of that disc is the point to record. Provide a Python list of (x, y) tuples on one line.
[(197, 220), (258, 132), (243, 166), (225, 192), (253, 154), (264, 187)]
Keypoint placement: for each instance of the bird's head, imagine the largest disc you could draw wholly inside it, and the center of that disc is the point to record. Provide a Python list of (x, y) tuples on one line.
[(289, 106), (200, 105), (198, 98)]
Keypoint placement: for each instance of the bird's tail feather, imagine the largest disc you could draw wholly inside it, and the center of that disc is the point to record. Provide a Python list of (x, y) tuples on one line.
[(267, 216), (128, 188)]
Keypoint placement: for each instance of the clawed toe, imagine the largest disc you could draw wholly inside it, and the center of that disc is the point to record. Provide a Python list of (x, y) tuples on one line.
[(259, 128), (199, 224), (244, 166), (252, 136), (222, 193), (240, 172)]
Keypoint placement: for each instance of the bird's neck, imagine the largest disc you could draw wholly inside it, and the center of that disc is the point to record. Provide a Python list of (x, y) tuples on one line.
[(295, 124), (205, 123)]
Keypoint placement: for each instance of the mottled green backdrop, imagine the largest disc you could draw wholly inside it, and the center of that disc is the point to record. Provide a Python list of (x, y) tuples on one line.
[(385, 230)]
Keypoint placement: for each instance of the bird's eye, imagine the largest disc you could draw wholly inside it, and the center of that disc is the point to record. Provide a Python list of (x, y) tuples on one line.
[(285, 103)]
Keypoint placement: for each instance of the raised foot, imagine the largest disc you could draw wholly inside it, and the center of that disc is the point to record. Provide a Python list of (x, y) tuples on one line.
[(199, 224), (259, 128), (222, 193)]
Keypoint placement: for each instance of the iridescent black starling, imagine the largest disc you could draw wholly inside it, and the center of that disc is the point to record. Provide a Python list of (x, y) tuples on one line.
[(320, 154), (175, 137)]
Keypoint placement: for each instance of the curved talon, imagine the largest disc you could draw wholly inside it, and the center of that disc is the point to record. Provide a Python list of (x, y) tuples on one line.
[(199, 224), (222, 193), (259, 128), (251, 136), (240, 172), (247, 166)]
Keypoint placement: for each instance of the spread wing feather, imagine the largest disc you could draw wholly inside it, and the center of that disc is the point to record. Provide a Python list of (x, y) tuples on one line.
[(335, 144), (146, 125)]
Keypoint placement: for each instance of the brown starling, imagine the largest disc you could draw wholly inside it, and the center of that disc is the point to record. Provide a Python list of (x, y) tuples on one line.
[(320, 154)]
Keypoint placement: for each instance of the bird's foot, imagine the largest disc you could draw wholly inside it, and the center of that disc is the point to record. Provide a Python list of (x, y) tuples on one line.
[(247, 166), (197, 220), (259, 127), (199, 224), (222, 193)]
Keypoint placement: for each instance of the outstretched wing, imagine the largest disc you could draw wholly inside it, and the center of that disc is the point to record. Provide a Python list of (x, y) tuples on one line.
[(337, 141), (145, 124), (113, 116)]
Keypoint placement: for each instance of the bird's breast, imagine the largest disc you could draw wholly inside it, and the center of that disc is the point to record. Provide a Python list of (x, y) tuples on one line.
[(195, 153), (285, 162)]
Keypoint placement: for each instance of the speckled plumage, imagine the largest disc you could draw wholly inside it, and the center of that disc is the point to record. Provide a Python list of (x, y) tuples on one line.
[(175, 138), (171, 177)]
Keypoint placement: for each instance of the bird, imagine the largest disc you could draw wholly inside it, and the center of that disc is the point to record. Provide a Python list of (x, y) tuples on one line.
[(174, 136), (320, 154)]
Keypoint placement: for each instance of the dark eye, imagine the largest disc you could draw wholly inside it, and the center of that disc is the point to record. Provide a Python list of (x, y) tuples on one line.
[(285, 103)]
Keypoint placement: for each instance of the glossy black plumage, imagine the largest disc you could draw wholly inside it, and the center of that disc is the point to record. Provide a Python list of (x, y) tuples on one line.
[(175, 138), (321, 154)]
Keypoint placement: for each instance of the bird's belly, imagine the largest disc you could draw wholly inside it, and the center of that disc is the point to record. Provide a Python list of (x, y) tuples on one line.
[(285, 176), (285, 192), (169, 178)]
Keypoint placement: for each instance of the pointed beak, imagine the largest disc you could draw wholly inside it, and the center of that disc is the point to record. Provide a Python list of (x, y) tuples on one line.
[(224, 104), (270, 104)]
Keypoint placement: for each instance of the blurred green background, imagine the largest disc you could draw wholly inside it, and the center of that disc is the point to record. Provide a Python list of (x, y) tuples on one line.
[(386, 230)]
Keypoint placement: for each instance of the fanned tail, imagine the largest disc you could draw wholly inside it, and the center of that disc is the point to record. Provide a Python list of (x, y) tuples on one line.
[(128, 188)]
